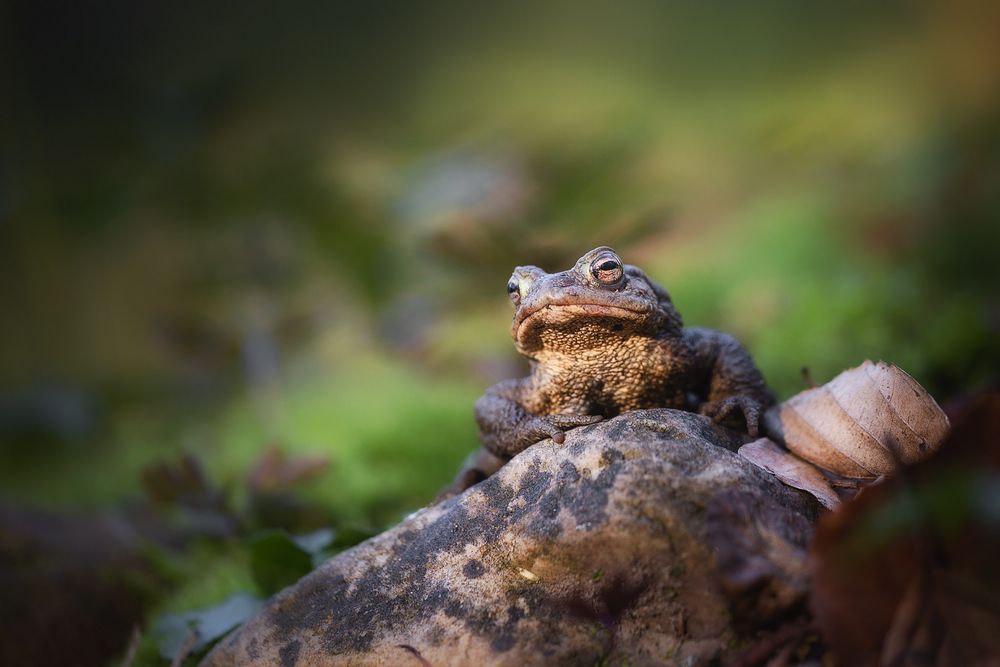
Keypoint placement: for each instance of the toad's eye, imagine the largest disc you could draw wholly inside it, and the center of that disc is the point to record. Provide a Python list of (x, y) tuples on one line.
[(607, 270), (514, 291)]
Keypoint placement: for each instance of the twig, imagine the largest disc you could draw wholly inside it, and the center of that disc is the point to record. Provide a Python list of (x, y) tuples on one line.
[(185, 650), (770, 645), (415, 653), (133, 646)]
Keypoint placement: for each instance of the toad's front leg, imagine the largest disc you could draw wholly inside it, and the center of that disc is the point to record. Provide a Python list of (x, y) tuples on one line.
[(734, 390), (506, 428)]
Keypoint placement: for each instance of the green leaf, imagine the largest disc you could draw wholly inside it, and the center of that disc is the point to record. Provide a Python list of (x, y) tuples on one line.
[(277, 561), (174, 631), (348, 536)]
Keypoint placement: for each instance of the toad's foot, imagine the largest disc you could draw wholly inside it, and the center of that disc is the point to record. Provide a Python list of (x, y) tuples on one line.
[(722, 409), (537, 429)]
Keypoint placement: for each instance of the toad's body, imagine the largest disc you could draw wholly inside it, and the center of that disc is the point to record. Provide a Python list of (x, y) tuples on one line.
[(603, 339), (624, 373)]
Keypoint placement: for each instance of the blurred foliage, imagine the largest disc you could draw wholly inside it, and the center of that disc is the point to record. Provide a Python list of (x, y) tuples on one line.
[(228, 229)]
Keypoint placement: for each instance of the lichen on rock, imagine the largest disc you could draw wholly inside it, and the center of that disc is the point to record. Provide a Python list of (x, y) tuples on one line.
[(598, 548)]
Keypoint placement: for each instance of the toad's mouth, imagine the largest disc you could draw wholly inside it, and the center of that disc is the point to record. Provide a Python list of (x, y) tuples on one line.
[(571, 311)]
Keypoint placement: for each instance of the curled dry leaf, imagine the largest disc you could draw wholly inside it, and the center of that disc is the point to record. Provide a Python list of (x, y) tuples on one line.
[(790, 469), (864, 423)]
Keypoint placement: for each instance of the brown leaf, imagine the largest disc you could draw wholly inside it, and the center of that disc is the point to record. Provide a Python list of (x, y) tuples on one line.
[(275, 470), (790, 469), (863, 423), (183, 483)]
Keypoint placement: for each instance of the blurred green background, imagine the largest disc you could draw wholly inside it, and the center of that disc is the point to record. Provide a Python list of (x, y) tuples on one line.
[(229, 227)]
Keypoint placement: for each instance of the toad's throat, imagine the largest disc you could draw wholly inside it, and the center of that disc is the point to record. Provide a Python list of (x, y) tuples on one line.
[(570, 311)]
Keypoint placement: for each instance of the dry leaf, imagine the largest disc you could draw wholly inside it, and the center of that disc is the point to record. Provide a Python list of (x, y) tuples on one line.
[(862, 424), (275, 470), (790, 469), (183, 482)]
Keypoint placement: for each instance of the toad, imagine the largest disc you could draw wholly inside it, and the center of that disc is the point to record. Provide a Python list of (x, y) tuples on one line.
[(602, 339)]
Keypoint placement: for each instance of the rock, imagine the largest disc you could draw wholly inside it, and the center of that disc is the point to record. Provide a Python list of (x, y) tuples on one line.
[(601, 548)]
